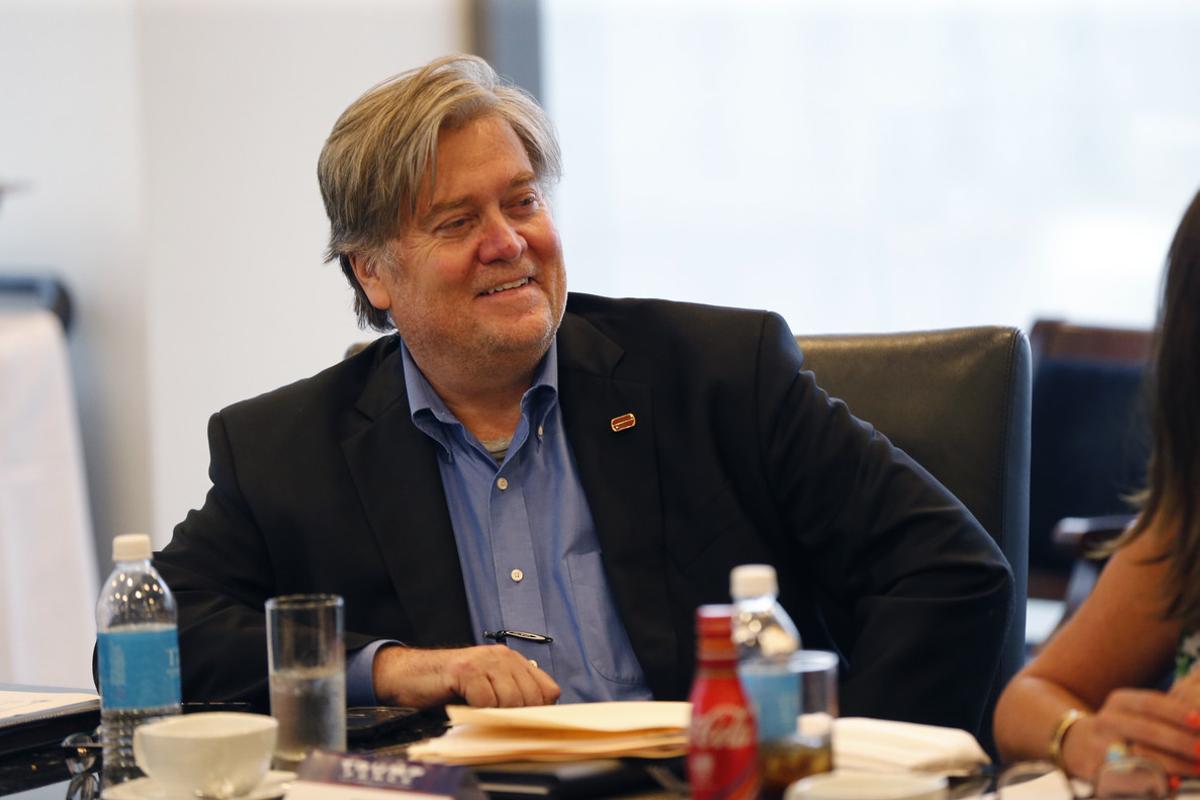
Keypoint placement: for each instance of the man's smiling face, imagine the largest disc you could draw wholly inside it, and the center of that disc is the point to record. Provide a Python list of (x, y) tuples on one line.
[(477, 275)]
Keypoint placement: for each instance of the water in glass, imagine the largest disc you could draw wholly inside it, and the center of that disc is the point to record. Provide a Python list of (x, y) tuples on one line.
[(310, 704)]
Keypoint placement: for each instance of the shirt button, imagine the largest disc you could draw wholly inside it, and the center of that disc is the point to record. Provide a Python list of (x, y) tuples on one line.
[(502, 483), (541, 431), (533, 663), (517, 575)]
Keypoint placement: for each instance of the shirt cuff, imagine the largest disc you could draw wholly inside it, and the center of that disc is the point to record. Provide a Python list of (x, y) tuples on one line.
[(360, 679)]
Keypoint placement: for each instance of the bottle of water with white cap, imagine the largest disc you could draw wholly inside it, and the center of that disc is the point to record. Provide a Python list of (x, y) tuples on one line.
[(766, 637), (138, 650)]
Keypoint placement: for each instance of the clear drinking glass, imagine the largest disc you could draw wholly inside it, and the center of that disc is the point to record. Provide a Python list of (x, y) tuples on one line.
[(1132, 777), (809, 750), (1034, 779), (307, 668), (1119, 778)]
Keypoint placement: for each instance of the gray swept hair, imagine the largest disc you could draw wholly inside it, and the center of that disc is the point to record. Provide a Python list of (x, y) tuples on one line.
[(380, 148)]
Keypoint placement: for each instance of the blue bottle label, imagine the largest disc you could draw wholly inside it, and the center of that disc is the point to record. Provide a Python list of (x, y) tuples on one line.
[(775, 698), (139, 668)]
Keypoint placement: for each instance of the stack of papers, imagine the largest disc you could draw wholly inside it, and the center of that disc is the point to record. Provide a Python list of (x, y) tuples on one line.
[(559, 733), (20, 707), (659, 730)]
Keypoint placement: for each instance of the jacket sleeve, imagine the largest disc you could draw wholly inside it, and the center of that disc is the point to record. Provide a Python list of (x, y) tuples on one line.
[(912, 589), (220, 570)]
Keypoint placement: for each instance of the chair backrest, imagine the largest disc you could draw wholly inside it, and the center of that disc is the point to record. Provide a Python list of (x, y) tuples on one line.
[(958, 402), (1057, 338), (1090, 434)]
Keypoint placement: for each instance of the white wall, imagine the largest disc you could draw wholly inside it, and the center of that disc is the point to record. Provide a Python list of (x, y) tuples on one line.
[(239, 98), (170, 148), (70, 111)]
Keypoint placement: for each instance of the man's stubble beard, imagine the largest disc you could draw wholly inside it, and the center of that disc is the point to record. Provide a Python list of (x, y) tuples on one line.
[(483, 354), (497, 351)]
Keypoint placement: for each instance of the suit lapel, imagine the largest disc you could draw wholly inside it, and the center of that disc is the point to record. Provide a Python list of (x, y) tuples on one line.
[(619, 473), (394, 467)]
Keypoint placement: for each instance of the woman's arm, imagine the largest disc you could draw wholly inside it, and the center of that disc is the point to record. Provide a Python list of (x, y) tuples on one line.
[(1117, 639)]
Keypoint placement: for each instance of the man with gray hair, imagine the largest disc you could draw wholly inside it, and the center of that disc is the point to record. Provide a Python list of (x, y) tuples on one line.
[(523, 495)]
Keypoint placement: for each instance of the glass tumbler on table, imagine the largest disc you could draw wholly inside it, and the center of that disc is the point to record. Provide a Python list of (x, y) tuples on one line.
[(1120, 777), (307, 674), (808, 749)]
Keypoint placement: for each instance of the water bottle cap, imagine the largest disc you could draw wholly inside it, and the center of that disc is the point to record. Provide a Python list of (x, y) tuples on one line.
[(752, 580), (131, 547)]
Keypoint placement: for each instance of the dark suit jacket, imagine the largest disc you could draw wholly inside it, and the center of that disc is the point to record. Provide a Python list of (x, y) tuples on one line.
[(737, 456)]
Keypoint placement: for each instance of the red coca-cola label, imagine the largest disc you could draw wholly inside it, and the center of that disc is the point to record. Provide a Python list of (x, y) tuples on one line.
[(722, 757), (723, 727), (722, 751)]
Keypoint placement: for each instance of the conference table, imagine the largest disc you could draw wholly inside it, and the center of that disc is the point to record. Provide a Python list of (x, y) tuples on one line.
[(54, 772), (46, 774)]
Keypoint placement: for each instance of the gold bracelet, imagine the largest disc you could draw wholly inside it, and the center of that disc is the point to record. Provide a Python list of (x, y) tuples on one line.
[(1069, 718)]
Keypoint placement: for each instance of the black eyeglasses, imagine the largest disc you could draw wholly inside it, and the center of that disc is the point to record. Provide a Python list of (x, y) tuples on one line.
[(82, 763)]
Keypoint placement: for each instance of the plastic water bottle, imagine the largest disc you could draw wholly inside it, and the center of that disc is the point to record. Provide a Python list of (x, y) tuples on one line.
[(138, 649), (765, 637)]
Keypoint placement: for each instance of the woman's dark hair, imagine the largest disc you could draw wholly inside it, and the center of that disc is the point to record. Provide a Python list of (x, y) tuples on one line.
[(1171, 502)]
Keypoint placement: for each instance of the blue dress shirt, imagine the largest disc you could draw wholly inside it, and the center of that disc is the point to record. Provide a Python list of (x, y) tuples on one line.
[(526, 544)]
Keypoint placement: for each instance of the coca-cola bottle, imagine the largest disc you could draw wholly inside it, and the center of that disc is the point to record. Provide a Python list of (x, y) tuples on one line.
[(722, 758)]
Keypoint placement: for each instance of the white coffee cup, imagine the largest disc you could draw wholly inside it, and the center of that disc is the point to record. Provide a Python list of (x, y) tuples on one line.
[(219, 754), (843, 785)]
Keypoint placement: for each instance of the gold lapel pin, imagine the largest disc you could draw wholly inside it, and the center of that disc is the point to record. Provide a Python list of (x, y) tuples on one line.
[(623, 422)]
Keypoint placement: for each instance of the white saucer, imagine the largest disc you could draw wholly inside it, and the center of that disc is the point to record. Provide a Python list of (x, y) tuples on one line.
[(274, 784), (844, 785)]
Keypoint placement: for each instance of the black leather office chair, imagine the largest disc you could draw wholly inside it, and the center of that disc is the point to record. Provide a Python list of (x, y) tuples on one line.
[(958, 402), (1091, 442)]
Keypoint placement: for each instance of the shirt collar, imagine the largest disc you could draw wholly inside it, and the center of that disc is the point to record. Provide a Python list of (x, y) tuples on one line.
[(424, 402)]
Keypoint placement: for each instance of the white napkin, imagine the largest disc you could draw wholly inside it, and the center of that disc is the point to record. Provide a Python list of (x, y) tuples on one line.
[(877, 745)]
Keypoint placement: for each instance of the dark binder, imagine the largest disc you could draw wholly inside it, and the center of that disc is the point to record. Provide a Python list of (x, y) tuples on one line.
[(47, 723), (604, 777)]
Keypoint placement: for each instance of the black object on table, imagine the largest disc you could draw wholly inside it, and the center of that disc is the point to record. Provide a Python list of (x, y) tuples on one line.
[(601, 777), (42, 291)]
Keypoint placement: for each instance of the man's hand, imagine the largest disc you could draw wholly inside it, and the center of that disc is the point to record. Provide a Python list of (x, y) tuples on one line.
[(487, 675), (1163, 727)]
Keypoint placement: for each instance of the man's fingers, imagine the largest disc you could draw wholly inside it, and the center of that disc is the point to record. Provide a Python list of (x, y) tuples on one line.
[(527, 685), (535, 687), (470, 675), (482, 676), (480, 694), (494, 675), (504, 684), (547, 687)]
